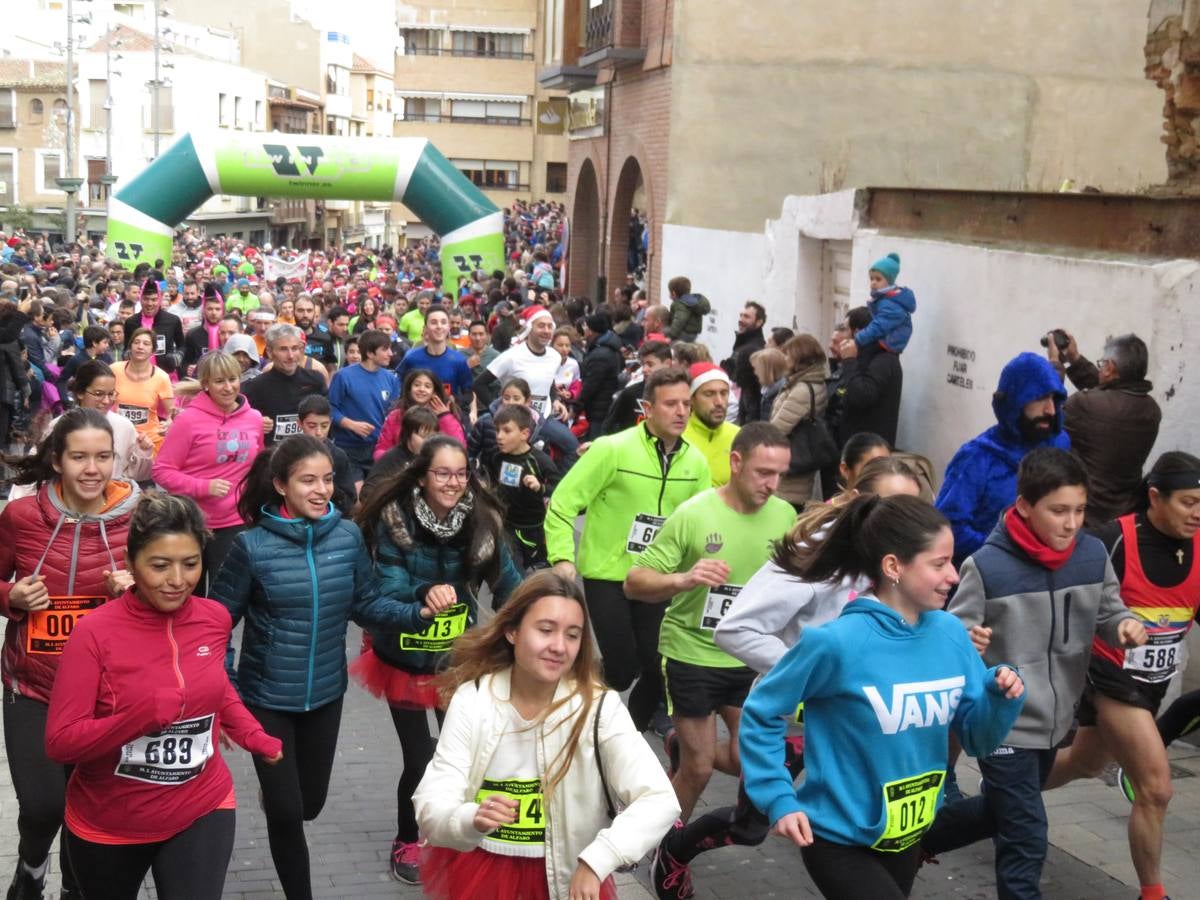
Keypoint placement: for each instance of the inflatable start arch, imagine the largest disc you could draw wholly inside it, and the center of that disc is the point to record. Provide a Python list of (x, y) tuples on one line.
[(143, 215)]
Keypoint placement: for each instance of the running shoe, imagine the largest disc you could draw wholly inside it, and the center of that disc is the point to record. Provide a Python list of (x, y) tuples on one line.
[(671, 746), (661, 723), (24, 886), (672, 879), (406, 861), (1125, 785)]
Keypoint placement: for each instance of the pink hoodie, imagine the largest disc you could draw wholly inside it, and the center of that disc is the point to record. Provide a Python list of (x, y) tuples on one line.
[(203, 443)]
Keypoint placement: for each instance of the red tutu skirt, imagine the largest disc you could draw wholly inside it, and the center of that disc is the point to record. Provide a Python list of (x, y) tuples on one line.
[(401, 689), (480, 875)]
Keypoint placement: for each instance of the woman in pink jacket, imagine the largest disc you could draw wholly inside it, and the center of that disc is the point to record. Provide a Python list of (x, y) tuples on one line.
[(208, 452)]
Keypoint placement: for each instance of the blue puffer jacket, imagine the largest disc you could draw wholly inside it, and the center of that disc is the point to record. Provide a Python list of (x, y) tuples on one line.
[(298, 582), (409, 560), (981, 480)]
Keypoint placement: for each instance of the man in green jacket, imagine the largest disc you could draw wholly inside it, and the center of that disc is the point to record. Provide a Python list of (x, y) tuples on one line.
[(628, 482)]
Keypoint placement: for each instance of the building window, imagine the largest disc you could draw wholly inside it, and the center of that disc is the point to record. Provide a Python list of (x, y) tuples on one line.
[(421, 42), (493, 174), (258, 115), (36, 109), (97, 97), (222, 109), (49, 168), (486, 112), (60, 109), (497, 46), (337, 80), (8, 108), (8, 177), (422, 109), (556, 178), (97, 189), (237, 112), (166, 110)]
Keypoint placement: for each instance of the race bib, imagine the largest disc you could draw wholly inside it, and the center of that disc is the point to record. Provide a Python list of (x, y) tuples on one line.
[(510, 474), (441, 632), (1157, 659), (286, 426), (47, 630), (642, 531), (160, 344), (717, 603), (541, 403), (910, 804), (530, 827), (175, 755), (137, 415)]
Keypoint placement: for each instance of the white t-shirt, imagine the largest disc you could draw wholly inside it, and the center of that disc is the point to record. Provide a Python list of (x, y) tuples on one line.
[(187, 315), (538, 370)]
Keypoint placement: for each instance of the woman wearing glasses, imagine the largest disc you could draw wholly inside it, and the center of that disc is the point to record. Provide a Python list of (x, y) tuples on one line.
[(436, 534), (298, 575)]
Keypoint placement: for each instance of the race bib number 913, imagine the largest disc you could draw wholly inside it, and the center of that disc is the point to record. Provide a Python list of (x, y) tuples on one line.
[(441, 632)]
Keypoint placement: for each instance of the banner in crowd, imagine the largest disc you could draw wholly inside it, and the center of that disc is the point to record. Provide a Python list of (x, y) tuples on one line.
[(274, 267)]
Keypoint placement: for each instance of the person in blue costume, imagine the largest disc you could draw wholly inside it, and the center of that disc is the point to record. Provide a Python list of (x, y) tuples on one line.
[(981, 480), (882, 685)]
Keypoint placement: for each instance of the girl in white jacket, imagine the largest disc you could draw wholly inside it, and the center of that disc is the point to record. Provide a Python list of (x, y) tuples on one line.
[(517, 803)]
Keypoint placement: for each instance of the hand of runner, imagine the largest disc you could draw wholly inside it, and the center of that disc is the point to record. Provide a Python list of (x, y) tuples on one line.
[(560, 411), (795, 827), (168, 707), (1131, 633), (144, 443), (440, 597), (585, 884), (118, 582), (268, 424), (494, 812), (272, 760), (530, 481), (1010, 683), (566, 569), (29, 593), (848, 349), (710, 572), (219, 487), (980, 637), (583, 448), (226, 742), (438, 406), (362, 429)]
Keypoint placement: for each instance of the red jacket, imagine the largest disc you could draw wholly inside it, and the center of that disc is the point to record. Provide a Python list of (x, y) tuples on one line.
[(138, 705), (39, 536)]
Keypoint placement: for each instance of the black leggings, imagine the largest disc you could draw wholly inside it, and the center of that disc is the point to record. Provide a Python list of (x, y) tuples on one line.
[(215, 552), (627, 632), (294, 789), (841, 872), (189, 866), (39, 783), (417, 745), (1181, 718)]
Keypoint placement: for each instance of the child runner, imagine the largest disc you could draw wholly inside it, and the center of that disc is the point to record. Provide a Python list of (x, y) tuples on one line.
[(421, 388), (524, 478), (419, 424), (518, 799), (882, 686)]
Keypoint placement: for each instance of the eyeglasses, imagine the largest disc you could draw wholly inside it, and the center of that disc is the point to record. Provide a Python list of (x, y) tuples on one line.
[(102, 395), (443, 476)]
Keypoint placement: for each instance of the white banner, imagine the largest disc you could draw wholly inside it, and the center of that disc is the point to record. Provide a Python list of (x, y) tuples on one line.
[(274, 267)]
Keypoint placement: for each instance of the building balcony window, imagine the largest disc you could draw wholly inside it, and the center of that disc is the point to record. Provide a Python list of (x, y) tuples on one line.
[(603, 42), (598, 32)]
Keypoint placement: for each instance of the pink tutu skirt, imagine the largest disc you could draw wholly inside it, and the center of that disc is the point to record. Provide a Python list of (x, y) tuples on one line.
[(480, 875)]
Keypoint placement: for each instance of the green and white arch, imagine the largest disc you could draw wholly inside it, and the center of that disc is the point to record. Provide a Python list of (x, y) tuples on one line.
[(144, 213)]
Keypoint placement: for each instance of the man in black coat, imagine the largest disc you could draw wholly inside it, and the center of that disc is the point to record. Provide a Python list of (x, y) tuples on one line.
[(600, 371), (205, 336), (868, 387), (749, 340), (168, 330)]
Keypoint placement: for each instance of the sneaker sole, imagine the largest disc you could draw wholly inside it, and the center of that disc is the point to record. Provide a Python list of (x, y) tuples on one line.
[(400, 878)]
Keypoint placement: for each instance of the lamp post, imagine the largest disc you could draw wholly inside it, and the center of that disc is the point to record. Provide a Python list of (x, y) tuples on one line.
[(70, 184), (108, 179)]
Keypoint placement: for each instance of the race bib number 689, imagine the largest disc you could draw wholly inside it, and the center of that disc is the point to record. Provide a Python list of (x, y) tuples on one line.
[(174, 755)]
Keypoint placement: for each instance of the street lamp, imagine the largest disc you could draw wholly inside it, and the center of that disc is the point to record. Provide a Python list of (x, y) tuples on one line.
[(159, 12), (108, 179), (70, 184)]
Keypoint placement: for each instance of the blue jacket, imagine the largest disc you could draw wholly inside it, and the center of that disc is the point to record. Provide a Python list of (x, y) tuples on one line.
[(891, 319), (981, 480), (880, 697), (409, 561), (298, 582)]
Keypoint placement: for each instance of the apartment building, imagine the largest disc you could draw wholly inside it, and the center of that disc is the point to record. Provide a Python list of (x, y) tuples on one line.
[(466, 78), (373, 105), (33, 116)]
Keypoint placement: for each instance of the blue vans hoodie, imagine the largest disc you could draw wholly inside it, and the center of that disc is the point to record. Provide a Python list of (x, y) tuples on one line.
[(981, 480), (880, 697)]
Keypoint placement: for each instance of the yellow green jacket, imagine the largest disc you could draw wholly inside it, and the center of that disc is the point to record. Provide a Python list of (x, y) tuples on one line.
[(714, 444)]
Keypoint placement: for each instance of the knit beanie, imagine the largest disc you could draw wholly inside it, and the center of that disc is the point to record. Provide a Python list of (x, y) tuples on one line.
[(888, 267)]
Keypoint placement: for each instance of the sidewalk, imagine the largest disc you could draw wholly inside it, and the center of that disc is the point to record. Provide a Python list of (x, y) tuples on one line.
[(351, 840)]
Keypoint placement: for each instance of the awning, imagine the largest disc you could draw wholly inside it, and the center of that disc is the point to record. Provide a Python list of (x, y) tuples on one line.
[(414, 26), (489, 29), (419, 95), (494, 98)]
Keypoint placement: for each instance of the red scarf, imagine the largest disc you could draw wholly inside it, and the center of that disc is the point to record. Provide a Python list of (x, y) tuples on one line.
[(1025, 538)]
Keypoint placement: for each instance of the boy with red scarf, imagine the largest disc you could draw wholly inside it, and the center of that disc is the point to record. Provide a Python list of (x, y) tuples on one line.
[(1035, 594)]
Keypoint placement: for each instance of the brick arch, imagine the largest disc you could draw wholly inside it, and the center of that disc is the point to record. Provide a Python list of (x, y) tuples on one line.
[(631, 174), (584, 247)]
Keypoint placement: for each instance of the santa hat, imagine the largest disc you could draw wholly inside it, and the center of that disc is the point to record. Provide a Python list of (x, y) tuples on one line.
[(703, 372), (531, 314)]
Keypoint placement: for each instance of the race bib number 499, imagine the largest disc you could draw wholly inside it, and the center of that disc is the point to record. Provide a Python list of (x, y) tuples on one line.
[(175, 755)]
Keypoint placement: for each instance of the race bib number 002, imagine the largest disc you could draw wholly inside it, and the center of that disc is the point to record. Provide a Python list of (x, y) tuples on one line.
[(530, 827), (910, 804), (47, 629), (717, 603), (175, 755), (1157, 659), (642, 531), (441, 632)]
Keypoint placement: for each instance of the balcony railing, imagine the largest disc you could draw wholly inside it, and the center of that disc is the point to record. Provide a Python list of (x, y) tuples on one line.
[(465, 120), (599, 29), (461, 53)]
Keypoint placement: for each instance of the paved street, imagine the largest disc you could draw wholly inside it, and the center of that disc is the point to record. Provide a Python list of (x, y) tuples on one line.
[(350, 841)]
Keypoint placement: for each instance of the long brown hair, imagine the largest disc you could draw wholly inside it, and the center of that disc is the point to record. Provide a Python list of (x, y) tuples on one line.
[(486, 650)]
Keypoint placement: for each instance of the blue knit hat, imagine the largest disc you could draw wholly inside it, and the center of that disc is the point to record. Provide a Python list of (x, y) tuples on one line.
[(888, 267)]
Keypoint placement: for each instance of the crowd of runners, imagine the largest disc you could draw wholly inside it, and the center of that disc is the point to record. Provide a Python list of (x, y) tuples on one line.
[(196, 444)]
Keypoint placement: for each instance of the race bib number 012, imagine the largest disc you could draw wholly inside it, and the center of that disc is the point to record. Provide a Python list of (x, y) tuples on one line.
[(47, 629), (441, 632), (642, 531), (910, 804), (175, 755), (717, 603), (1157, 659), (530, 827)]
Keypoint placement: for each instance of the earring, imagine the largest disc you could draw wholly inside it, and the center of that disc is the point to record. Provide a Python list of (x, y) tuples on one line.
[(896, 582)]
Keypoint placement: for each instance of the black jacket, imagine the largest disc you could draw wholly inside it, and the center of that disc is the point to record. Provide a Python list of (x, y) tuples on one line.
[(600, 374), (625, 411), (168, 338), (195, 345), (738, 368), (868, 392)]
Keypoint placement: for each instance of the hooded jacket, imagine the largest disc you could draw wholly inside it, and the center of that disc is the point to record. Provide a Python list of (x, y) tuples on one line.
[(1042, 622), (880, 697), (714, 444), (981, 480), (205, 443), (38, 535), (687, 317), (298, 582), (737, 367), (891, 319), (600, 374)]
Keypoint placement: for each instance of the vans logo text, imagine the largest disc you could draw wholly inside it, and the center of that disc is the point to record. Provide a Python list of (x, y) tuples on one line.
[(918, 704)]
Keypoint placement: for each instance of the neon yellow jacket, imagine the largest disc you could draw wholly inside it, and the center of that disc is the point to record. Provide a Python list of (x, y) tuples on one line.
[(714, 444), (619, 478)]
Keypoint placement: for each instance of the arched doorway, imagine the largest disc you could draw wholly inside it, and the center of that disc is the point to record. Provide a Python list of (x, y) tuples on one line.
[(584, 247), (624, 242)]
